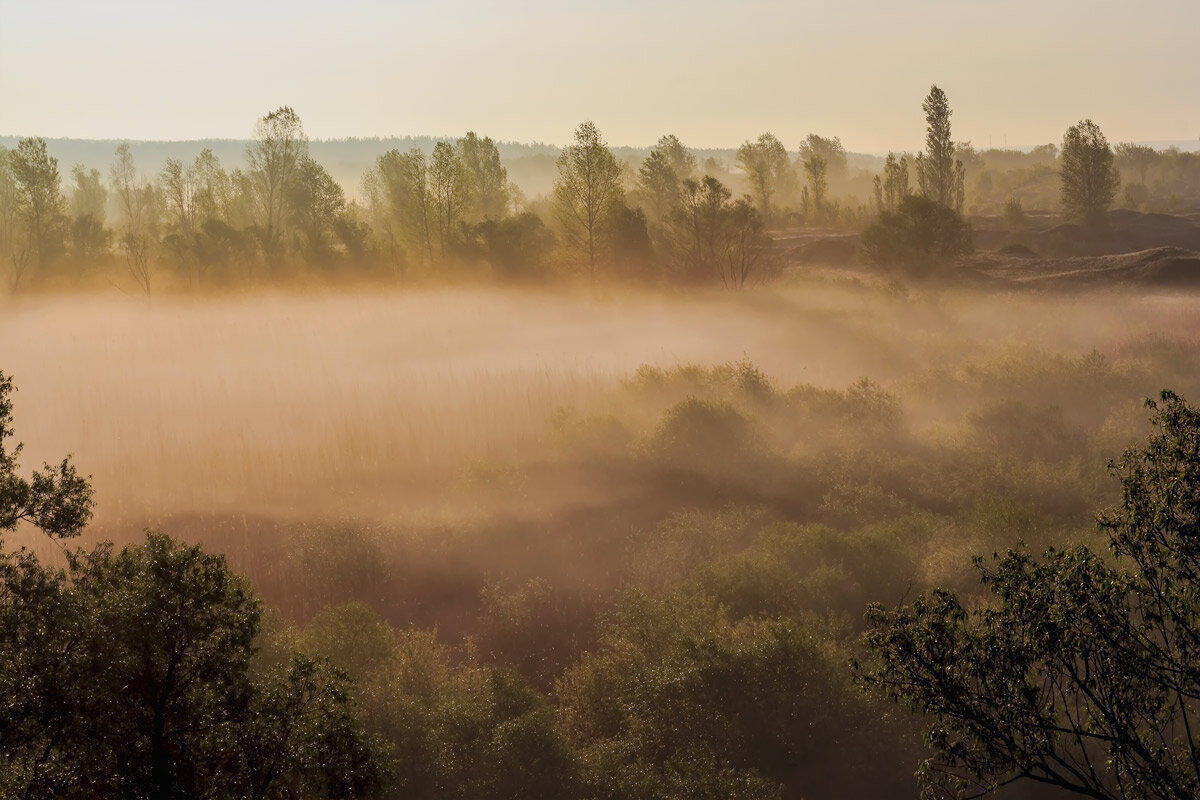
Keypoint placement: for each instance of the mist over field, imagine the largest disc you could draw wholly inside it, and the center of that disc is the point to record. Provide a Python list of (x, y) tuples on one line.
[(374, 403), (475, 401)]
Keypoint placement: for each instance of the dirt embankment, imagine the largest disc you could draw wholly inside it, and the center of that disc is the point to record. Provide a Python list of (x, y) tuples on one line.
[(1150, 250)]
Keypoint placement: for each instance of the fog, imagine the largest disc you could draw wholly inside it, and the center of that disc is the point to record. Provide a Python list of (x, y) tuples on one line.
[(373, 401)]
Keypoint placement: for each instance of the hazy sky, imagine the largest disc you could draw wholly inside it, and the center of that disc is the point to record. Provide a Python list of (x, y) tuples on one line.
[(714, 73)]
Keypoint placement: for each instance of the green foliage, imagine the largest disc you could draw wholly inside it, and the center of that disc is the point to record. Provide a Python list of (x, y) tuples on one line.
[(699, 432), (1089, 179), (812, 571), (678, 701), (1081, 672), (134, 672), (454, 731), (128, 674), (919, 237)]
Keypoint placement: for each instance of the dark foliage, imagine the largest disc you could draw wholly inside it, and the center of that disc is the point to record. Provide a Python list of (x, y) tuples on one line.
[(919, 237), (1081, 672)]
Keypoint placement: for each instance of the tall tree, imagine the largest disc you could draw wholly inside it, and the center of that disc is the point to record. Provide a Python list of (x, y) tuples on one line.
[(275, 153), (935, 166), (816, 168), (449, 189), (1089, 179), (765, 162), (487, 179), (137, 202), (39, 198), (587, 191)]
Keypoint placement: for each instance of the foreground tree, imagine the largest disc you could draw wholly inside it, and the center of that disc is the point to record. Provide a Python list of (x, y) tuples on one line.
[(1082, 672), (587, 192), (128, 674), (1089, 179)]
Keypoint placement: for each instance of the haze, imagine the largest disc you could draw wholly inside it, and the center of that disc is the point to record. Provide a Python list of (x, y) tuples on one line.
[(681, 458), (713, 73)]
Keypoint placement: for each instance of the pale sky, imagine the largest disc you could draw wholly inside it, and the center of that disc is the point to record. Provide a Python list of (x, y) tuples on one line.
[(713, 73)]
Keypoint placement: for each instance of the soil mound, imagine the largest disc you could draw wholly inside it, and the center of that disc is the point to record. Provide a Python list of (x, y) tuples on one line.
[(1167, 266), (1127, 232), (1017, 250)]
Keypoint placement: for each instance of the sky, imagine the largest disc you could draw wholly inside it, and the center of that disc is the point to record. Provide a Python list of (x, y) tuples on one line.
[(1017, 73)]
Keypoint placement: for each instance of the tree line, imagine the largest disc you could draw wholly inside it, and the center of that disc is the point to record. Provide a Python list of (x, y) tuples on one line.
[(670, 218)]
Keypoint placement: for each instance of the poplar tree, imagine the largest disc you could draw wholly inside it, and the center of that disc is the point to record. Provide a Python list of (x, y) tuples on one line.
[(935, 166)]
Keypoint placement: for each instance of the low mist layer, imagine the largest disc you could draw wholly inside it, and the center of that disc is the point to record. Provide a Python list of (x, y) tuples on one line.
[(370, 402)]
